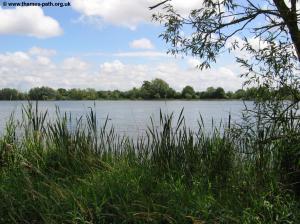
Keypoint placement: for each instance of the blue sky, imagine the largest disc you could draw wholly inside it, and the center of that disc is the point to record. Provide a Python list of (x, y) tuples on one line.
[(101, 44)]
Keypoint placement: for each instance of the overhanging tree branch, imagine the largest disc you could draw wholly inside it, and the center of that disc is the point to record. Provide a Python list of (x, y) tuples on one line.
[(214, 17), (159, 4)]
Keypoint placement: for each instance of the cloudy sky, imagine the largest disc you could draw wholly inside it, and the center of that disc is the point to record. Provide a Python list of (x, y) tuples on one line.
[(101, 44)]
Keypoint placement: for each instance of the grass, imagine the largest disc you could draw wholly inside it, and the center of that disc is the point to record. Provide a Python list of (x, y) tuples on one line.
[(51, 173)]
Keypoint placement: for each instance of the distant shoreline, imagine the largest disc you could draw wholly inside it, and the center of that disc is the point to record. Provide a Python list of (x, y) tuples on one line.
[(137, 100), (156, 89)]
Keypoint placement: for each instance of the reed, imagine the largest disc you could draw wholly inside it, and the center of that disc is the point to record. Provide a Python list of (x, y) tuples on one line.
[(76, 170)]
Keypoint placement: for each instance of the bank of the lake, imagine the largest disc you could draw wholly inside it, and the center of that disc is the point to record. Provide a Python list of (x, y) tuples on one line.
[(90, 174)]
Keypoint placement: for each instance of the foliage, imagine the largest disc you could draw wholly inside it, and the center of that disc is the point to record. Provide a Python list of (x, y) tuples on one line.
[(88, 174), (218, 26), (150, 90), (188, 92), (266, 33), (11, 94), (42, 93), (157, 89)]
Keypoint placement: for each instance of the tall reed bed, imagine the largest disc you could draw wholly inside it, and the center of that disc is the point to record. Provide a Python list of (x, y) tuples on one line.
[(76, 170)]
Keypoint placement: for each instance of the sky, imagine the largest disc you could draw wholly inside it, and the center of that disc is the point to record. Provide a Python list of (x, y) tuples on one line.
[(100, 44)]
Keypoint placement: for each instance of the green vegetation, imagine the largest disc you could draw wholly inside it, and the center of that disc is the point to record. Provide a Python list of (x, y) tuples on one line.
[(155, 89), (245, 173), (51, 174)]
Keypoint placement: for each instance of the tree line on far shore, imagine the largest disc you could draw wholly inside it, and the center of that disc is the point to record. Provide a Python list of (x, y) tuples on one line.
[(156, 89)]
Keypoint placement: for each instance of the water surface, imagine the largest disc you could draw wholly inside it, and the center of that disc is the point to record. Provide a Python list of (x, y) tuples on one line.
[(133, 117)]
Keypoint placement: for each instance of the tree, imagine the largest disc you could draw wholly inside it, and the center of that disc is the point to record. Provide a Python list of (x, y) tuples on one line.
[(266, 29), (146, 90), (219, 93), (9, 94), (209, 94), (62, 94), (229, 95), (90, 94), (42, 93), (188, 92), (161, 88), (268, 32), (219, 20), (102, 95), (134, 93), (76, 94), (239, 94), (156, 89)]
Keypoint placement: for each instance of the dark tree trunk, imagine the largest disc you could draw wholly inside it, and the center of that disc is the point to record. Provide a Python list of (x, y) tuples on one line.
[(289, 17)]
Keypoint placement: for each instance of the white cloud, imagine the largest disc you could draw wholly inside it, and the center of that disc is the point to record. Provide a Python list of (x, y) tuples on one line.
[(193, 63), (142, 43), (111, 67), (15, 59), (89, 20), (42, 52), (43, 60), (128, 13), (140, 54), (241, 52), (149, 54), (257, 43), (178, 78), (23, 70), (74, 64), (29, 21)]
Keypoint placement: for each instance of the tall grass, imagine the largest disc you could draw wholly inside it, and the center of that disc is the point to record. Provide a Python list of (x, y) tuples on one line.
[(70, 170)]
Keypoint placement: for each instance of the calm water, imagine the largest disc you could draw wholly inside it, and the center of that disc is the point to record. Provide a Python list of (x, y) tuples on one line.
[(133, 117)]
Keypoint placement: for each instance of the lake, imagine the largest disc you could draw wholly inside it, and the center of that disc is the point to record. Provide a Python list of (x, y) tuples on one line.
[(133, 117)]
